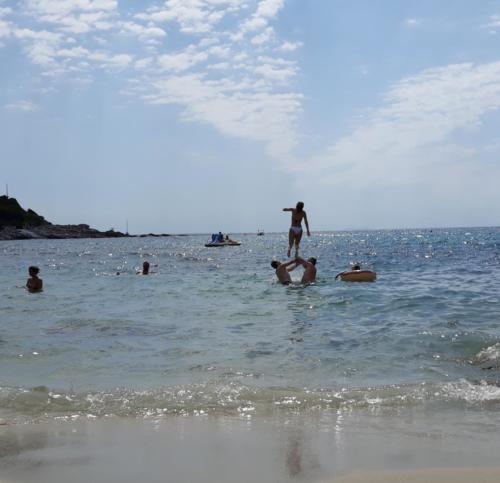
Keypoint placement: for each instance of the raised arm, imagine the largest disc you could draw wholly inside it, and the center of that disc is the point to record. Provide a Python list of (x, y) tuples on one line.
[(287, 209), (291, 262), (307, 224)]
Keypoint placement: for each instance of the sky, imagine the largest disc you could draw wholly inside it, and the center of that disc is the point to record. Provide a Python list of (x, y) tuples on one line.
[(194, 116)]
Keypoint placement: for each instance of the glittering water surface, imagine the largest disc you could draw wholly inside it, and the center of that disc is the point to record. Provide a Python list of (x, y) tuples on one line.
[(211, 331)]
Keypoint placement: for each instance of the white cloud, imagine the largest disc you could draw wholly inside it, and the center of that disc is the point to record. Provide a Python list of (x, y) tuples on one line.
[(64, 7), (266, 11), (75, 16), (266, 36), (493, 24), (145, 34), (41, 45), (118, 61), (280, 74), (219, 51), (411, 137), (239, 88), (220, 66), (5, 29), (143, 64), (259, 116), (73, 52), (412, 22), (25, 106), (181, 61), (290, 46), (5, 25), (193, 16)]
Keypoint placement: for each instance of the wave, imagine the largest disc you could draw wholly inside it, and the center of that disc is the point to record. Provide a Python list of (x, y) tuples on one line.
[(488, 358), (18, 405)]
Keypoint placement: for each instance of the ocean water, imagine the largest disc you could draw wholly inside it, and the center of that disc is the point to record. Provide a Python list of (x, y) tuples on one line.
[(211, 332)]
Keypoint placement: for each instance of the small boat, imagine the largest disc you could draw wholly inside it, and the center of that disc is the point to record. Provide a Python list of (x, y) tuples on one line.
[(231, 243), (218, 240), (357, 276)]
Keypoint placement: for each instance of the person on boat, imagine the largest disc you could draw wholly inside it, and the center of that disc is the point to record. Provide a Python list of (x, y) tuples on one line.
[(34, 283), (283, 270), (220, 237), (295, 232), (309, 265)]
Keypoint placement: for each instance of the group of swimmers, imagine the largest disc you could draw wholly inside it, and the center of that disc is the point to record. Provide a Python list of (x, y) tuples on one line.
[(283, 269), (35, 283)]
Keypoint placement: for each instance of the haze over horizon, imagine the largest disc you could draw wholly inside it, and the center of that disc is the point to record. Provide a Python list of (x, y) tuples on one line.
[(193, 116)]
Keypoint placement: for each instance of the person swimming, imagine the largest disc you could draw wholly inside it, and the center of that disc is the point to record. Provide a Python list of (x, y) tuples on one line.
[(295, 232), (34, 284), (357, 274), (283, 270), (310, 270)]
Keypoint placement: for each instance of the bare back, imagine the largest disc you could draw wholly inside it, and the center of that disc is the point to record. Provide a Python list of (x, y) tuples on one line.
[(34, 284), (283, 275), (309, 275), (297, 217)]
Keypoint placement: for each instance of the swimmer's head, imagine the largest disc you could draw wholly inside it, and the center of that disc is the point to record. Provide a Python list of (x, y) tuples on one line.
[(145, 268), (275, 264), (312, 260), (33, 270), (356, 267), (300, 206)]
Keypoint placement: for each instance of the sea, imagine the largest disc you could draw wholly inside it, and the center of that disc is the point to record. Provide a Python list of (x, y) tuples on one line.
[(210, 332)]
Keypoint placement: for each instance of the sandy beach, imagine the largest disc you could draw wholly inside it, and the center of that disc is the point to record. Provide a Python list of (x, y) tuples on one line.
[(335, 448), (435, 475)]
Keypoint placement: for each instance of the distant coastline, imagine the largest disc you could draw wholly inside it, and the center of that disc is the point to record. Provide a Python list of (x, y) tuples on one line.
[(17, 223)]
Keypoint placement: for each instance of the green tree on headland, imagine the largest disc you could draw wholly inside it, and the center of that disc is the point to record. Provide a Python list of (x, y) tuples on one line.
[(12, 214)]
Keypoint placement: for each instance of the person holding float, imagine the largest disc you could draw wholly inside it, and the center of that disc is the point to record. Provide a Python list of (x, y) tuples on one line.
[(357, 275)]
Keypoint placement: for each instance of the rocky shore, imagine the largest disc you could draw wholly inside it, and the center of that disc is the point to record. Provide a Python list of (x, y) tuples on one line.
[(56, 232), (19, 224)]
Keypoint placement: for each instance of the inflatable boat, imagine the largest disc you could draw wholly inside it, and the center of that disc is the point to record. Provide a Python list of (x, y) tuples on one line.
[(358, 276)]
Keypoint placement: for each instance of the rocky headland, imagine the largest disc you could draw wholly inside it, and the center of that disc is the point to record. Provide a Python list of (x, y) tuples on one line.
[(17, 223)]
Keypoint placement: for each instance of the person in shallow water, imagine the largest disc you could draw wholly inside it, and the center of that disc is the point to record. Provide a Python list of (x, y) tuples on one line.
[(295, 232), (34, 284), (357, 274), (282, 270), (309, 265)]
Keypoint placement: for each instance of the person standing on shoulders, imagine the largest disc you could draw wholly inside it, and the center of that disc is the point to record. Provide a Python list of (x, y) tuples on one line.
[(295, 232)]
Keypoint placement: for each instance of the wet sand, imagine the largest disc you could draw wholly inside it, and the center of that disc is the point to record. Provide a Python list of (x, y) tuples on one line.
[(334, 448), (439, 475)]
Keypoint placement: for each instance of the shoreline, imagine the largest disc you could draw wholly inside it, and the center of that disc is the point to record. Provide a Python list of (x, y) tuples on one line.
[(334, 447)]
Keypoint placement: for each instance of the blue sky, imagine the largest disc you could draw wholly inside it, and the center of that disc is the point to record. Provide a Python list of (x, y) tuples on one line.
[(200, 115)]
